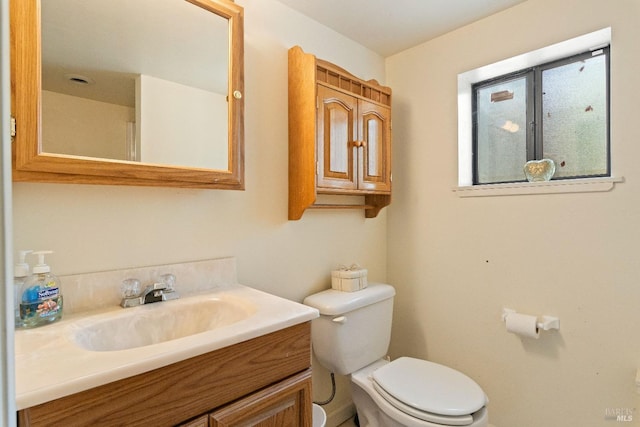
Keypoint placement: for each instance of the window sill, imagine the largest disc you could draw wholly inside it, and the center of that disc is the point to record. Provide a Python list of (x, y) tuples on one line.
[(584, 185)]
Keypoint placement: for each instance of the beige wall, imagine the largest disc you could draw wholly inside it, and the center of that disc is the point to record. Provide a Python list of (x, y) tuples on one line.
[(95, 228), (456, 262)]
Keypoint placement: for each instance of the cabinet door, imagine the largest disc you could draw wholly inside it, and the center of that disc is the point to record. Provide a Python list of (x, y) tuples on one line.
[(374, 155), (337, 126), (285, 404)]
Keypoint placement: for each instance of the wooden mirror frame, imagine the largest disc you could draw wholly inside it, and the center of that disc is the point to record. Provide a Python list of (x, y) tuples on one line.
[(30, 164)]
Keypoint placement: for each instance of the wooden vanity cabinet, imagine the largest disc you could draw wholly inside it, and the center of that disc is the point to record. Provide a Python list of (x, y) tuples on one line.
[(339, 136), (202, 421), (278, 405), (265, 381)]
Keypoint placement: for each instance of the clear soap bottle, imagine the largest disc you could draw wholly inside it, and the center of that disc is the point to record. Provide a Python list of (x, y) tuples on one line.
[(20, 275), (41, 296)]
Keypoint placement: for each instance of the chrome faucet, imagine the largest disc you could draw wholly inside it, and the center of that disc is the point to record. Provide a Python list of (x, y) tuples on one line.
[(162, 290)]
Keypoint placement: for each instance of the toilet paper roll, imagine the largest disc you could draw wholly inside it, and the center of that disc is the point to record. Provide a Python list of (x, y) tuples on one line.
[(523, 325)]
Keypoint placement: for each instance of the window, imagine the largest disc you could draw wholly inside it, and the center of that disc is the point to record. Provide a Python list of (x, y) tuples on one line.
[(558, 110)]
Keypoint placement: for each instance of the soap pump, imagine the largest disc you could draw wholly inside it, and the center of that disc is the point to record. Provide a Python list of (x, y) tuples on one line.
[(20, 274), (41, 296)]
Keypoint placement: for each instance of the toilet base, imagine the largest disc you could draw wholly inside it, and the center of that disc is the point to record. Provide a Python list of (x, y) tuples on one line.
[(374, 411)]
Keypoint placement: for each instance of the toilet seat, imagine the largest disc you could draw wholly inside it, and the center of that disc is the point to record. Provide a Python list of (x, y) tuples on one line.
[(429, 391), (463, 420)]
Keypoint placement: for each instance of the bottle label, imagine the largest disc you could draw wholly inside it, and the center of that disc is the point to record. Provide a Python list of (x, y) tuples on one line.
[(48, 293), (48, 308), (43, 309)]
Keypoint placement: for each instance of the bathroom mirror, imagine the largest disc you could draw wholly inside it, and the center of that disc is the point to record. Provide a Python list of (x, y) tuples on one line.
[(129, 92)]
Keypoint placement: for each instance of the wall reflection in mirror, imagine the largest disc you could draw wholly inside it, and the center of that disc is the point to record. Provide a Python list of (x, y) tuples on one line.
[(135, 80)]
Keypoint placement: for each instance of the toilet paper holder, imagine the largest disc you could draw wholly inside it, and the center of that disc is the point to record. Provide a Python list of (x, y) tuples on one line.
[(547, 323)]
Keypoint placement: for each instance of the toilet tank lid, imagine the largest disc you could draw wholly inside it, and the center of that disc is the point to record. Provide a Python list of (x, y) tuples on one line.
[(333, 302)]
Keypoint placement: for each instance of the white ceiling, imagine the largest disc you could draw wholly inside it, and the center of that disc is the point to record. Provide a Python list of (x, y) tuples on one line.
[(391, 26)]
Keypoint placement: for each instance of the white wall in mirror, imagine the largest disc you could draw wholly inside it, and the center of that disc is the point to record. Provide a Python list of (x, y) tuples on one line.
[(175, 123)]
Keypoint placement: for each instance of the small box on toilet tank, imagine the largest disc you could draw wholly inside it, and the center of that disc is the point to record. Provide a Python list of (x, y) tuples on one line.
[(349, 279)]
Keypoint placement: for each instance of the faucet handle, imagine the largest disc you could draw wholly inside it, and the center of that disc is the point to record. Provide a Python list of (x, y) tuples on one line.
[(130, 288), (169, 281)]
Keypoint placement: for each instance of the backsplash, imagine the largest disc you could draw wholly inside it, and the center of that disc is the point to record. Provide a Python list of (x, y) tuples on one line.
[(92, 291)]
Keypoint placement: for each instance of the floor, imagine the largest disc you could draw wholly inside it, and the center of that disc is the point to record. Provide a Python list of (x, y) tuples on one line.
[(348, 423)]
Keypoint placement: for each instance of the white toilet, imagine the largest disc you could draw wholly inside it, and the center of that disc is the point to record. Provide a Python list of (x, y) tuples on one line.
[(351, 337)]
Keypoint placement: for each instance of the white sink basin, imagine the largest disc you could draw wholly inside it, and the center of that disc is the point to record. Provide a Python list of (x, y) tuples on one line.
[(160, 322), (95, 348)]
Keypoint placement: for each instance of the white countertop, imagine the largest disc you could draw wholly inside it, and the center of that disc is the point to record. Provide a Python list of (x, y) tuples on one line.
[(50, 364)]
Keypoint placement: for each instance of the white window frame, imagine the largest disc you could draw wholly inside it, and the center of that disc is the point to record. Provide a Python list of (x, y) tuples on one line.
[(591, 41)]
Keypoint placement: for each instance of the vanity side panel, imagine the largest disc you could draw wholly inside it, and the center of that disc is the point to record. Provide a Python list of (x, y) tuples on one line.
[(178, 392)]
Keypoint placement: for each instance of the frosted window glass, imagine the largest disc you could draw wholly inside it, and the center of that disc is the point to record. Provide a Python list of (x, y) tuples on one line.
[(574, 117), (556, 110), (501, 132)]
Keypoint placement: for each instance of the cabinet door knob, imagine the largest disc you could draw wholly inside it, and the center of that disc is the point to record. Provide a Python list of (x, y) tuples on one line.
[(363, 143), (356, 144)]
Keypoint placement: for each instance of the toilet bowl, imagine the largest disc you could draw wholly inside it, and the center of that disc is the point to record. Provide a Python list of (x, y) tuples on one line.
[(447, 399), (351, 337)]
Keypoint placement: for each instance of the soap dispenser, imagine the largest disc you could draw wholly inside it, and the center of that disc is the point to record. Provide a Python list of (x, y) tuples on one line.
[(20, 275), (41, 297)]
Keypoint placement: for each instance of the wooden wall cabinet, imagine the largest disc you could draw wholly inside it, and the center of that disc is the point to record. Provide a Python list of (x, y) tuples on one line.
[(339, 136), (263, 381)]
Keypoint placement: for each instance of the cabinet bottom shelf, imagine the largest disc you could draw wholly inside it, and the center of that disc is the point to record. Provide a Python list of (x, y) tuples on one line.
[(372, 205), (337, 206)]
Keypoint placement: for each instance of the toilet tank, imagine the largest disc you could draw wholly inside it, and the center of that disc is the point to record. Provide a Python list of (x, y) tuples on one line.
[(354, 328)]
